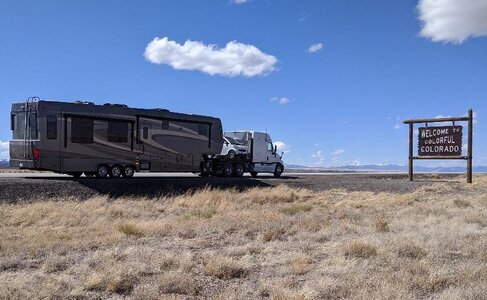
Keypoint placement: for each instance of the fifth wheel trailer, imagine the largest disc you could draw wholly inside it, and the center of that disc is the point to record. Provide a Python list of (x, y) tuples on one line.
[(115, 140)]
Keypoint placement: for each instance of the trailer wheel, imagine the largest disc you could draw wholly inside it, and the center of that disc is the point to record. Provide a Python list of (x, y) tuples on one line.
[(115, 171), (128, 172), (278, 171), (102, 171), (227, 170), (238, 170), (253, 174)]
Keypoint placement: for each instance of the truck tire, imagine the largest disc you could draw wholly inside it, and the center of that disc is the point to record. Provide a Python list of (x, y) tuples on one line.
[(278, 170), (231, 154), (102, 171), (116, 171), (227, 170), (128, 172), (238, 170), (253, 174)]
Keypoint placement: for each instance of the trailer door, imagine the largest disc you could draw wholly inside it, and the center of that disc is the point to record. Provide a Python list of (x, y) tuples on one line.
[(51, 137), (150, 159)]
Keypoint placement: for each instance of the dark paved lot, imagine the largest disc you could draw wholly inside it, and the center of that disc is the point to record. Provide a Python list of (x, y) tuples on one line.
[(35, 188)]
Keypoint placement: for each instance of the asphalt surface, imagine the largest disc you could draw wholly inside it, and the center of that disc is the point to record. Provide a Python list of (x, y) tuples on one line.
[(19, 187)]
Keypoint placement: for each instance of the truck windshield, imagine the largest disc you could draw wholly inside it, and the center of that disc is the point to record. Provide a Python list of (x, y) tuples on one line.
[(233, 141), (19, 128)]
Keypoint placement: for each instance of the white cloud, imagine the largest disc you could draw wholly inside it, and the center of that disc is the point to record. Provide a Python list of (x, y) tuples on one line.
[(337, 152), (4, 150), (282, 147), (240, 1), (397, 126), (315, 48), (236, 59), (281, 100), (453, 20), (319, 156)]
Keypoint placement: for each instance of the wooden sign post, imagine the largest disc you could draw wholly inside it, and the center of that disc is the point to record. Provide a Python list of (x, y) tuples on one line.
[(441, 142)]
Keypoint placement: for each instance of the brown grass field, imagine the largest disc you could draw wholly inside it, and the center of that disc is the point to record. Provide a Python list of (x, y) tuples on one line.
[(262, 243)]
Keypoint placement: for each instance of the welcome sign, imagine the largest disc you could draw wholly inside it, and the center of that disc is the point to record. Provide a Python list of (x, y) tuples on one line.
[(440, 141)]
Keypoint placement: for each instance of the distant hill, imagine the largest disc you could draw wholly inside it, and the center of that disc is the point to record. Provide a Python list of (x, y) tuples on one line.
[(4, 163), (382, 167)]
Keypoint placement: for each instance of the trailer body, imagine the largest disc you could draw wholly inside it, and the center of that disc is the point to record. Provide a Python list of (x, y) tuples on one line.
[(81, 137)]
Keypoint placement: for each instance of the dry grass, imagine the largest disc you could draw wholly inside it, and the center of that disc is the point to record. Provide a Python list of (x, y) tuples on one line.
[(263, 243)]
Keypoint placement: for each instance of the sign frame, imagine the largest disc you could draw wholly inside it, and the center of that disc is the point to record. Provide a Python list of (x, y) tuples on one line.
[(468, 157)]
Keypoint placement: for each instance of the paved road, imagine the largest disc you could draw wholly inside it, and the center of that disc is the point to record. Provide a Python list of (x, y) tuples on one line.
[(152, 175), (15, 187)]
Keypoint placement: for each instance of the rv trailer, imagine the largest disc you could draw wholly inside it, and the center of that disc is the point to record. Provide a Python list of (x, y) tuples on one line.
[(113, 140), (109, 140)]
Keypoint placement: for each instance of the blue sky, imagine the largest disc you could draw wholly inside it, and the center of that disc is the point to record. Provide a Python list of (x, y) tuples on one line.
[(380, 62)]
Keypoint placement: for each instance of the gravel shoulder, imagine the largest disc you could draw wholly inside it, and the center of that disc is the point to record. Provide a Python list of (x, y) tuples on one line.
[(35, 188)]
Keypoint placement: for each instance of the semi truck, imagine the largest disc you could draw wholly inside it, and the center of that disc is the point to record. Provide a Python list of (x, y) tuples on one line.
[(114, 140)]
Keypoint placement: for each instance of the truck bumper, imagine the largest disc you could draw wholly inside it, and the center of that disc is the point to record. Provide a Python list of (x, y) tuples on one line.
[(23, 163)]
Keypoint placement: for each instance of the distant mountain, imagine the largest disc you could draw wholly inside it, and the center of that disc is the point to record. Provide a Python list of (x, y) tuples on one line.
[(383, 167), (4, 163)]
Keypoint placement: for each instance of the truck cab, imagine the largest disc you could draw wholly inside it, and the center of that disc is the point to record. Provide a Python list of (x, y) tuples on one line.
[(263, 154)]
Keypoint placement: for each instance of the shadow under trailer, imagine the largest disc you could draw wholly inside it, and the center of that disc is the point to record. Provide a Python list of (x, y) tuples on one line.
[(113, 140)]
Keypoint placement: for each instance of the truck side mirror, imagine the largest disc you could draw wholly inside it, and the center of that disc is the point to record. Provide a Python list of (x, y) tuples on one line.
[(275, 149)]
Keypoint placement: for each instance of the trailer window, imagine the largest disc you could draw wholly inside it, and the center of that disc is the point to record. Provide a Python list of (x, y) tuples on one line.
[(118, 132), (33, 127), (19, 128), (82, 130), (145, 134), (51, 127), (203, 129), (165, 124)]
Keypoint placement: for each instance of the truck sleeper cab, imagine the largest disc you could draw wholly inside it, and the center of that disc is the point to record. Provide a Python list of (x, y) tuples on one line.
[(261, 157), (109, 140)]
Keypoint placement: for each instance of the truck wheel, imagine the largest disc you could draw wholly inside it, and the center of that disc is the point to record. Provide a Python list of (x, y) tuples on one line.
[(115, 171), (231, 154), (238, 170), (253, 174), (128, 172), (102, 171), (227, 170), (278, 171)]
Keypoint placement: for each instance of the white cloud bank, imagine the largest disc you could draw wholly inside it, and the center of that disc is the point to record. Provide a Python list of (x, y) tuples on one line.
[(282, 147), (337, 152), (453, 20), (236, 59), (315, 48), (4, 152), (319, 156)]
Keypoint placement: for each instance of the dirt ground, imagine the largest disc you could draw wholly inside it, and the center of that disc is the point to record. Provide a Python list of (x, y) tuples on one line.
[(346, 238), (25, 188)]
